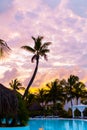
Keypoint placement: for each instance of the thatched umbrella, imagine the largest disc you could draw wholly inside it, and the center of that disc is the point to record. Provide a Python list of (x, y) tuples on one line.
[(8, 102)]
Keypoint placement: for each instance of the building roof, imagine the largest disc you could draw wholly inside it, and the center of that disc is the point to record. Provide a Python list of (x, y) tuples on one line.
[(8, 101)]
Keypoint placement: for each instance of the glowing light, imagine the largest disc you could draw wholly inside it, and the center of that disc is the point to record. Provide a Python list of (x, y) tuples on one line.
[(14, 35), (62, 64)]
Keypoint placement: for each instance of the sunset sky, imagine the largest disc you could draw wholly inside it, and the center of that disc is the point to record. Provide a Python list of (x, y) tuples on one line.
[(62, 22)]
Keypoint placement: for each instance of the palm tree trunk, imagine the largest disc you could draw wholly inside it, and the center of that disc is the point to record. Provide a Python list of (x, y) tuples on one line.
[(77, 101), (71, 96), (32, 79), (71, 103)]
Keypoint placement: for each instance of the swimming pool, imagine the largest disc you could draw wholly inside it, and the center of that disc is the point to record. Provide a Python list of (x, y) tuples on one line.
[(57, 124)]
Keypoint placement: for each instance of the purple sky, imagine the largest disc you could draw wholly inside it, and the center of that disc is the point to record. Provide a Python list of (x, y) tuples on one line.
[(63, 22)]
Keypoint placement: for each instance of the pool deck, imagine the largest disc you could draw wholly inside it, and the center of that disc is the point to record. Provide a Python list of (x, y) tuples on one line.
[(57, 118)]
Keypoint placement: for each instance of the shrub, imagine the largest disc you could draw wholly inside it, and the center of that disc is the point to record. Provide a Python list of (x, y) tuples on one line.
[(23, 115)]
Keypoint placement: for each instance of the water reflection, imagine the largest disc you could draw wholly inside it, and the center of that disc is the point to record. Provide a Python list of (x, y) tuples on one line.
[(57, 124)]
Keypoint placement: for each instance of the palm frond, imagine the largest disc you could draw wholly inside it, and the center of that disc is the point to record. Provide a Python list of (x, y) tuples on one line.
[(40, 37), (45, 57), (1, 52), (3, 43), (45, 45), (44, 51), (33, 58), (38, 43), (4, 48), (34, 39), (48, 85), (14, 84), (28, 48)]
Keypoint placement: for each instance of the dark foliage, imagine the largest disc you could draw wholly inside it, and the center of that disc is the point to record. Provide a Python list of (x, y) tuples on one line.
[(8, 104), (23, 115)]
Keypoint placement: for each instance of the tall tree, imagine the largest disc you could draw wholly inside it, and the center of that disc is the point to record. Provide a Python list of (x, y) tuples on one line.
[(39, 50), (41, 96), (55, 92), (30, 99), (72, 80), (79, 91), (14, 84), (4, 48)]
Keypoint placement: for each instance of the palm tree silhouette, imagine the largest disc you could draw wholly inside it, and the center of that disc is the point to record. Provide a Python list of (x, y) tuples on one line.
[(79, 91), (14, 84), (41, 96), (55, 92), (4, 48), (39, 50), (72, 80)]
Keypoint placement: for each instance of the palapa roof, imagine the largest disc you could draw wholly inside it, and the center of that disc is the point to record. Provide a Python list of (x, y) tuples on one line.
[(8, 101)]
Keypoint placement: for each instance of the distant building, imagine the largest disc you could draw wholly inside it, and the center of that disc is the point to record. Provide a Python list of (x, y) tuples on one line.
[(68, 104)]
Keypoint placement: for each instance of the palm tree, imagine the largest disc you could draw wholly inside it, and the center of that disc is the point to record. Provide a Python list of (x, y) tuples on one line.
[(79, 91), (41, 96), (14, 84), (72, 80), (4, 48), (39, 50), (65, 88), (30, 98), (55, 92)]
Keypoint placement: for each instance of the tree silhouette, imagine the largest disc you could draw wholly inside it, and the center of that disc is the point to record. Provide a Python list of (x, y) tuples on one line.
[(40, 49), (14, 84), (4, 48)]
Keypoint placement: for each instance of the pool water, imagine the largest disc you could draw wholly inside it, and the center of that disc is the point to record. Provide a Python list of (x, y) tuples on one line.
[(57, 124)]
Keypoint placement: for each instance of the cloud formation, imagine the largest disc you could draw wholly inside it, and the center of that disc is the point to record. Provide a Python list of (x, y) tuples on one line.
[(63, 22), (5, 5)]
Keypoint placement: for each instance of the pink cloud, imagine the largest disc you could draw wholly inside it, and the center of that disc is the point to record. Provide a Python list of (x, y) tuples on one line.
[(8, 76), (61, 25)]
